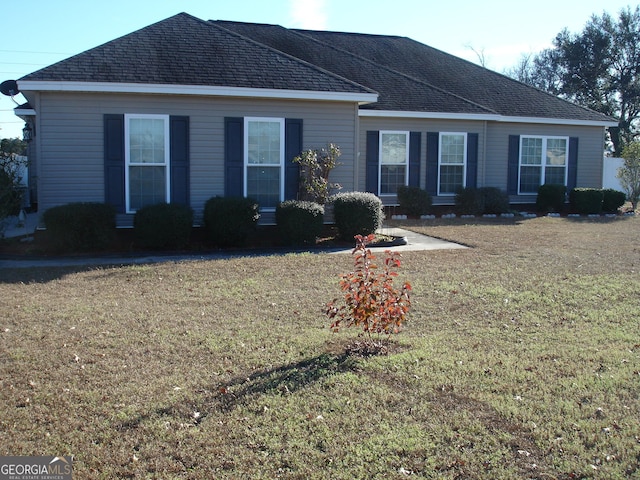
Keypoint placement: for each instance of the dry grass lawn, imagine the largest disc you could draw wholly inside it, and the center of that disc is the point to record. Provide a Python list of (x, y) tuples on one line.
[(521, 359)]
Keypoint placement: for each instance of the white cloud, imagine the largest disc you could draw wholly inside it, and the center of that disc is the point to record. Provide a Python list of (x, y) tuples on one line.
[(308, 14)]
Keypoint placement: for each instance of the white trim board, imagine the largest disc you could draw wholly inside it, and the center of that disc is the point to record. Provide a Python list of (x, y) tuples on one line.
[(205, 90), (481, 117)]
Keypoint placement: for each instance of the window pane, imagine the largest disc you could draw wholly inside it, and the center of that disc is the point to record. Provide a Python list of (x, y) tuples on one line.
[(530, 179), (146, 140), (556, 151), (452, 149), (451, 178), (531, 152), (394, 149), (264, 143), (263, 185), (147, 186), (554, 175), (391, 177)]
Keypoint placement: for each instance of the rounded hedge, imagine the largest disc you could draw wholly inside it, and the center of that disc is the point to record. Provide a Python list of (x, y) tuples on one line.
[(80, 226), (612, 200), (496, 201), (357, 213), (164, 225), (551, 198), (299, 222), (414, 201), (228, 221), (586, 201), (469, 201), (478, 201)]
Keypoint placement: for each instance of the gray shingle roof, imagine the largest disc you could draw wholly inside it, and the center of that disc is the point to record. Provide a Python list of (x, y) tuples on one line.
[(407, 75), (397, 91), (482, 86), (184, 50)]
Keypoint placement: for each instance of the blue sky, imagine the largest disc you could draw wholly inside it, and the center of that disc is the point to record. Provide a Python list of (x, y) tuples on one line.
[(38, 33)]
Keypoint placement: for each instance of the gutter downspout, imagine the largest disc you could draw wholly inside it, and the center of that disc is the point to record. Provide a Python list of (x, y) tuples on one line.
[(484, 153), (356, 148)]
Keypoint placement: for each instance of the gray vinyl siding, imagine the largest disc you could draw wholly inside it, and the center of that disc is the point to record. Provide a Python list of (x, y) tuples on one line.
[(590, 152), (493, 143), (70, 138), (69, 141), (423, 126)]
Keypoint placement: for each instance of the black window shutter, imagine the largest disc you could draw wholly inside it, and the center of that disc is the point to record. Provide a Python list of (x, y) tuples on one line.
[(233, 157), (179, 159), (433, 139), (293, 148), (572, 174), (472, 160), (114, 161), (372, 162), (415, 140), (513, 164)]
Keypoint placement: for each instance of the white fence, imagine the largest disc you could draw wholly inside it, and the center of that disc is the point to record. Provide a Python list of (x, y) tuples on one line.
[(609, 171)]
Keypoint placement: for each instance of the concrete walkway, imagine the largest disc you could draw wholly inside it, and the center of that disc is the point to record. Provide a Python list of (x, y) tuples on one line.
[(417, 242), (414, 242)]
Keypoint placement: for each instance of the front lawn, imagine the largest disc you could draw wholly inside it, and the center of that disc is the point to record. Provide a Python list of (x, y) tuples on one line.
[(521, 359)]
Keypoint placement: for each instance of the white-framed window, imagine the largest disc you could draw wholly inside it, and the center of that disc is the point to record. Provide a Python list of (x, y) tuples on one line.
[(452, 162), (394, 161), (264, 160), (542, 160), (147, 152)]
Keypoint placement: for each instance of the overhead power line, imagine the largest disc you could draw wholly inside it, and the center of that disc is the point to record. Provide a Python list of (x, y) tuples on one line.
[(36, 53), (20, 63)]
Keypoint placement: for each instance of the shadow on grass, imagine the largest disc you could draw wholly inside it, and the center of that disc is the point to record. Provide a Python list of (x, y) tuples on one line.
[(224, 398), (41, 275), (283, 380)]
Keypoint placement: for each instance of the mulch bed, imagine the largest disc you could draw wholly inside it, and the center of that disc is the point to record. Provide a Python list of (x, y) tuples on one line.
[(265, 238)]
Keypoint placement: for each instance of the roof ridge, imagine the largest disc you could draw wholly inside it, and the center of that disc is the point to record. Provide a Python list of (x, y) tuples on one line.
[(388, 69), (280, 52), (507, 77)]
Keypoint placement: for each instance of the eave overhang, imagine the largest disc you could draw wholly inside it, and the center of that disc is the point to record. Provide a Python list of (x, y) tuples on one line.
[(486, 117), (199, 90)]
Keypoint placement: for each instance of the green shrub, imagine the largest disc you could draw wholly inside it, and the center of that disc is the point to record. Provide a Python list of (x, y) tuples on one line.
[(469, 201), (163, 225), (299, 222), (414, 201), (496, 201), (551, 198), (229, 221), (357, 213), (612, 200), (586, 201), (10, 196), (478, 201), (80, 226)]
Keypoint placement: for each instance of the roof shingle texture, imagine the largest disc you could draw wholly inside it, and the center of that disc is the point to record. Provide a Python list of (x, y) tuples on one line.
[(407, 75), (492, 90), (397, 91), (184, 50)]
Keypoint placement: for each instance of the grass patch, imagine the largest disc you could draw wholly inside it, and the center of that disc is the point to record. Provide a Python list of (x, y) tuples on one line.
[(521, 359)]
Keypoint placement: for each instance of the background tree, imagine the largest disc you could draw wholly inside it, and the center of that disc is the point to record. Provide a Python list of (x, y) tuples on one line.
[(629, 173), (598, 68), (11, 168)]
